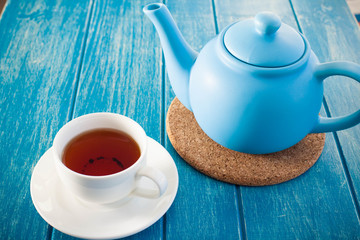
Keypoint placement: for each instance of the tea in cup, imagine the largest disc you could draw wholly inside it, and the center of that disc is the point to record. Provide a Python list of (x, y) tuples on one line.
[(100, 157)]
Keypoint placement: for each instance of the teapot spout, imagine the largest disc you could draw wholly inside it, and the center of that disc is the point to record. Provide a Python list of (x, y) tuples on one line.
[(179, 56)]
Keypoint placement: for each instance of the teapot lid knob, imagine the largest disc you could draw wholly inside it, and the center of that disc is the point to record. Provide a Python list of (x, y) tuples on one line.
[(267, 23)]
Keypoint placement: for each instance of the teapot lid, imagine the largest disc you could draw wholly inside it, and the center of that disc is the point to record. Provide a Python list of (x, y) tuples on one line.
[(264, 41)]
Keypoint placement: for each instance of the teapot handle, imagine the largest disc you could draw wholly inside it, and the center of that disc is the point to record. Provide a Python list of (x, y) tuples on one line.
[(348, 69)]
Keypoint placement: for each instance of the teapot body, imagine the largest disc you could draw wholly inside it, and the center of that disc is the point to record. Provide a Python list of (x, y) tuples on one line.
[(254, 109)]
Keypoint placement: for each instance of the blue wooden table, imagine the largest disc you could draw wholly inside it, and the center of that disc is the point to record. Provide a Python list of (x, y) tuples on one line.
[(62, 59)]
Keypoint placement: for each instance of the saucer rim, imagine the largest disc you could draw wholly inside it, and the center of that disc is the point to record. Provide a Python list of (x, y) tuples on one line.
[(172, 195)]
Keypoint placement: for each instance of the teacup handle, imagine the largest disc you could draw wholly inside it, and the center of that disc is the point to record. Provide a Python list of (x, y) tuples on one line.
[(347, 69), (157, 177)]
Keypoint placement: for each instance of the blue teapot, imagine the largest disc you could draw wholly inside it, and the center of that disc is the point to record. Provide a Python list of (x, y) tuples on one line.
[(257, 87)]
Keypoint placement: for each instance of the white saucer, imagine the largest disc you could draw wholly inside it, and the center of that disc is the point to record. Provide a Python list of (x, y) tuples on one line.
[(67, 214)]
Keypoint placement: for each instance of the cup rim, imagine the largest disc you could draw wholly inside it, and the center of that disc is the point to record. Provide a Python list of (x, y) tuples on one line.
[(58, 157)]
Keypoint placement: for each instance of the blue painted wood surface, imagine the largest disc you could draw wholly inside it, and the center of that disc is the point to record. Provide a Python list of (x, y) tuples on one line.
[(62, 59)]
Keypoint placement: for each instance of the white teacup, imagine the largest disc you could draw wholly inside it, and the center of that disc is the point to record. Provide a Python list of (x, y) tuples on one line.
[(113, 187)]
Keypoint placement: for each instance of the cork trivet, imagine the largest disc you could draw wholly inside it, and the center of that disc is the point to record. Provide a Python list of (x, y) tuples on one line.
[(223, 164)]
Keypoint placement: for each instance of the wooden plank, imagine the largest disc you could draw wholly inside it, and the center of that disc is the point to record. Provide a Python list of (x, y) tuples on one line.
[(318, 204), (121, 73), (122, 66), (228, 11), (204, 208), (40, 42), (337, 38)]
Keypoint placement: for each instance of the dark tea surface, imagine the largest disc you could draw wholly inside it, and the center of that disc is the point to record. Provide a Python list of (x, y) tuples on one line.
[(101, 152)]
